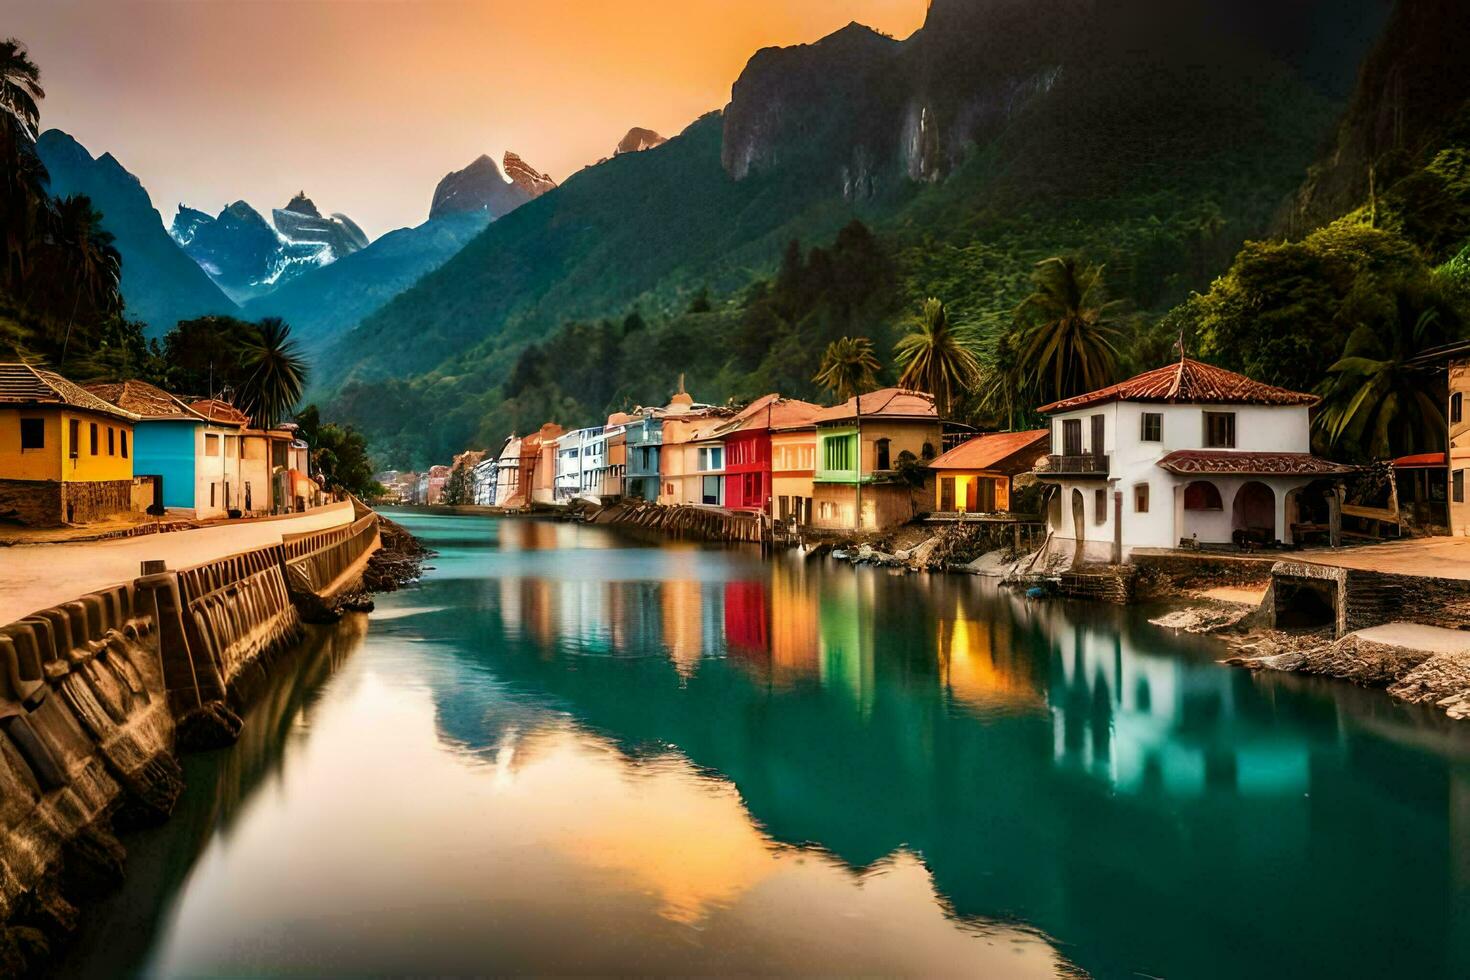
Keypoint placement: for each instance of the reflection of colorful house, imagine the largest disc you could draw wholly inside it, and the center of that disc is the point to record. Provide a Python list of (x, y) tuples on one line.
[(1186, 452), (976, 476), (65, 454), (749, 463), (860, 444), (747, 618)]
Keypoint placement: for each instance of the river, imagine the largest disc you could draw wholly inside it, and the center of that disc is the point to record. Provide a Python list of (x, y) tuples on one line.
[(565, 752)]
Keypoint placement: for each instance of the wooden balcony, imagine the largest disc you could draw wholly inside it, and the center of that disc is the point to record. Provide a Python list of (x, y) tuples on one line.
[(1084, 467)]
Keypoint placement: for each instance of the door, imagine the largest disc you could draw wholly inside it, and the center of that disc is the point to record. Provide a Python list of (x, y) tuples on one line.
[(946, 494), (1072, 437), (986, 490), (972, 497)]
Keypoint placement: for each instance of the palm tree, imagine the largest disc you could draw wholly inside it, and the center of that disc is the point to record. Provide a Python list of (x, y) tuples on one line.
[(1066, 330), (276, 373), (93, 263), (20, 88), (1376, 402), (936, 357), (849, 367)]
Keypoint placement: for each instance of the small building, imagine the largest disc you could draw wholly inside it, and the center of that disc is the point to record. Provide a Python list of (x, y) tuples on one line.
[(644, 437), (616, 461), (793, 468), (749, 466), (221, 487), (538, 467), (433, 482), (265, 456), (483, 480), (861, 445), (1187, 453), (704, 467), (508, 472), (680, 476), (65, 454), (569, 465), (977, 476)]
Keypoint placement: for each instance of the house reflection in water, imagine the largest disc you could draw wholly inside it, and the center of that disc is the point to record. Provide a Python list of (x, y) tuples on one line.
[(982, 665), (1154, 722)]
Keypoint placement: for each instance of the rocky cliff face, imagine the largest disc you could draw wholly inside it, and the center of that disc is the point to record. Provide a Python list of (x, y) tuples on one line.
[(301, 223), (478, 187), (526, 177), (1411, 93)]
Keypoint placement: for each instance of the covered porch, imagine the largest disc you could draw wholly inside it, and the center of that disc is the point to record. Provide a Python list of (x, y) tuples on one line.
[(1252, 500)]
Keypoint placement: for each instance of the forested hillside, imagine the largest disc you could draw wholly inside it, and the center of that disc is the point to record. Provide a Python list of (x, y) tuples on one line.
[(1145, 139)]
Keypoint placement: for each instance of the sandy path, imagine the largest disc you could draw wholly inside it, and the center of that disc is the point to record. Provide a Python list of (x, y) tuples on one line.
[(36, 576)]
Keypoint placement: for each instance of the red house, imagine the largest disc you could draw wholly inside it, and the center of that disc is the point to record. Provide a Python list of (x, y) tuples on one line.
[(747, 439)]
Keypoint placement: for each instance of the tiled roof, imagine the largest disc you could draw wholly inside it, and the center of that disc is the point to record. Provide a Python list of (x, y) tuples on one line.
[(144, 400), (1234, 463), (21, 384), (773, 412), (889, 403), (1186, 380), (220, 413), (992, 450)]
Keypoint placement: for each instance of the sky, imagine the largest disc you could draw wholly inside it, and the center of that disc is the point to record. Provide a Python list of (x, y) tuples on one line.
[(366, 104)]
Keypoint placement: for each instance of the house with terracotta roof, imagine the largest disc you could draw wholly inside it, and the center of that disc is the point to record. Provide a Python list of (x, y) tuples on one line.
[(860, 445), (1431, 486), (686, 477), (749, 464), (1186, 454), (977, 476), (65, 454), (196, 457)]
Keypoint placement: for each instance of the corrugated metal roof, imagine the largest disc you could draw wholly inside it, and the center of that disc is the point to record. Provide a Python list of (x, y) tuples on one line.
[(888, 403), (1187, 380), (144, 400), (990, 451), (21, 384)]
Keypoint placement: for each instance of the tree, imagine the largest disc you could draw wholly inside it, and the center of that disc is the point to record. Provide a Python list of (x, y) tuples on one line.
[(459, 488), (339, 456), (23, 197), (1377, 403), (1066, 344), (937, 358), (20, 88), (849, 367), (91, 265), (275, 373)]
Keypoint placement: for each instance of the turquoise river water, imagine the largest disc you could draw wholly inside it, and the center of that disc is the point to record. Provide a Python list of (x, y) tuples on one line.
[(565, 752)]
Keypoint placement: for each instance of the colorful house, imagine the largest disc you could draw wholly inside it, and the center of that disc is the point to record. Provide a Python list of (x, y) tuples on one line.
[(265, 457), (793, 468), (1188, 452), (65, 454), (682, 479), (484, 480), (704, 467), (643, 442), (508, 472), (749, 463), (538, 464), (976, 477), (860, 445), (615, 462)]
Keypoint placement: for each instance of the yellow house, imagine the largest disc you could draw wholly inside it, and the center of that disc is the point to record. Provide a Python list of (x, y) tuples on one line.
[(975, 476), (65, 454)]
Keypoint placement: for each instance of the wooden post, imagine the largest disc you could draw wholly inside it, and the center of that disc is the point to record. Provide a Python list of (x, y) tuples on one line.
[(1117, 527), (1334, 516)]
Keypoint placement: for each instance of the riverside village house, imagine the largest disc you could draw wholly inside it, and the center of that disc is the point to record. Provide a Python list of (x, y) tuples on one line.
[(1186, 454), (65, 454), (860, 445)]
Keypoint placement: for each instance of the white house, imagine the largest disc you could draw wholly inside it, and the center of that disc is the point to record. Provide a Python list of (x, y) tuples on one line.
[(1185, 453), (569, 465), (508, 471), (594, 461), (485, 476)]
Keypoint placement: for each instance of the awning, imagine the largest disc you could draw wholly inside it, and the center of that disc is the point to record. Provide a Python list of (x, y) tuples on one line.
[(1229, 462)]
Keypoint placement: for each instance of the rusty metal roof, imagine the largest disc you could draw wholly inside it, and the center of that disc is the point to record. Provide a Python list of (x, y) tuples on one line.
[(885, 403), (21, 384), (991, 451), (1187, 380), (144, 400), (1229, 462), (219, 412)]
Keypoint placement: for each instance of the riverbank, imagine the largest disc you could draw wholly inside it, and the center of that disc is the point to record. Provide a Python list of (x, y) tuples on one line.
[(102, 692)]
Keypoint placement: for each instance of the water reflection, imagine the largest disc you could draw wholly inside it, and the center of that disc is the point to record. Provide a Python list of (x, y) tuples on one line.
[(565, 754)]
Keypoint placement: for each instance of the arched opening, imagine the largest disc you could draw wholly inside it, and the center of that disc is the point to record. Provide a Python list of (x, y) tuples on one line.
[(1202, 495), (1253, 514)]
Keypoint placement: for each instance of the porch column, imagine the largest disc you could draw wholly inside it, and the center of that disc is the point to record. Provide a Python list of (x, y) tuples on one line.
[(1334, 516), (1117, 527), (1282, 524)]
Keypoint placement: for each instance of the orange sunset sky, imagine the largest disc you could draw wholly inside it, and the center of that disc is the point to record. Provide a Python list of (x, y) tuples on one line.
[(365, 104)]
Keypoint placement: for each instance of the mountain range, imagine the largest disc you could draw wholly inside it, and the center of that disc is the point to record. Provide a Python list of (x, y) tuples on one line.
[(160, 284), (1152, 136)]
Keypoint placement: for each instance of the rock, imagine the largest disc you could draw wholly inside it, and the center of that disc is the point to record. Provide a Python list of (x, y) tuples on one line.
[(638, 139), (92, 863), (1201, 619), (212, 726), (22, 950), (478, 187), (526, 177)]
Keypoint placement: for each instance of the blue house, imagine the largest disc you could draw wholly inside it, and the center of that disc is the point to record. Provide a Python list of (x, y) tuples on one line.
[(169, 441)]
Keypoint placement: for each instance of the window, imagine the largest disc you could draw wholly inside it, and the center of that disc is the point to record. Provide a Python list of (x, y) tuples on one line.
[(881, 447), (837, 453), (111, 441), (32, 434), (232, 447), (1458, 490), (1153, 427), (1219, 430), (710, 493), (74, 433), (1099, 506), (1071, 437), (92, 433), (211, 494), (211, 444), (1457, 407), (124, 437), (1140, 499)]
